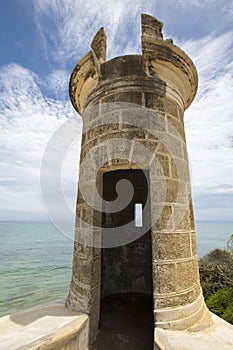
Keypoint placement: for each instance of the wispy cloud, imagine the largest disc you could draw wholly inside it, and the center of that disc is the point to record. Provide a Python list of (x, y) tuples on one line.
[(56, 84), (209, 125), (32, 108), (67, 27), (28, 120), (202, 3)]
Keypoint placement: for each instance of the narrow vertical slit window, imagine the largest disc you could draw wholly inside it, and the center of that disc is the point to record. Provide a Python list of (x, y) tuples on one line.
[(138, 222)]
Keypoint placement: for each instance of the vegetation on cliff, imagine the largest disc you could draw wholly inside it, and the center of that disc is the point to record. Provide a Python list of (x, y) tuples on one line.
[(216, 273)]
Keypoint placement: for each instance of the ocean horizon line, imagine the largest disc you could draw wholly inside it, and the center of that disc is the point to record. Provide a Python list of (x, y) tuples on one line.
[(68, 222)]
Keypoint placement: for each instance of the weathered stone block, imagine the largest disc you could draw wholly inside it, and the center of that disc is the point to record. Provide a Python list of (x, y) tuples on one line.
[(78, 296), (173, 145), (88, 270), (187, 275), (192, 222), (129, 97), (97, 131), (164, 278), (194, 243), (89, 215), (151, 144), (86, 251), (158, 189), (124, 66), (175, 299), (174, 171), (182, 220), (90, 113), (163, 148), (171, 246), (161, 103), (172, 187), (180, 169), (164, 163), (151, 27), (163, 214), (175, 127), (86, 148)]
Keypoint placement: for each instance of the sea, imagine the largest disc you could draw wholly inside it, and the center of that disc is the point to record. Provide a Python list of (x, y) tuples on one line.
[(36, 261)]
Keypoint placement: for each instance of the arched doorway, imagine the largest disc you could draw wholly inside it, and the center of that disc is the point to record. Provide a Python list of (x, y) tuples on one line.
[(126, 311)]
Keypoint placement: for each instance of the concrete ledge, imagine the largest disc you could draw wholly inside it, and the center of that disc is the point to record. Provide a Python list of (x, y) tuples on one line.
[(48, 327), (217, 337)]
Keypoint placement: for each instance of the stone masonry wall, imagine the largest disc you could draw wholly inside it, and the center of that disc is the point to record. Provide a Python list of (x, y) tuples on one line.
[(132, 109)]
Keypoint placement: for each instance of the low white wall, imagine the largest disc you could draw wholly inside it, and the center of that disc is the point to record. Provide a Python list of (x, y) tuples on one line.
[(217, 337), (48, 327)]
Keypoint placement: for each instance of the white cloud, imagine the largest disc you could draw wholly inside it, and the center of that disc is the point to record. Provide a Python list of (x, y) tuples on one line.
[(228, 9), (201, 3), (209, 125), (57, 83), (28, 120), (212, 55), (32, 109), (67, 27)]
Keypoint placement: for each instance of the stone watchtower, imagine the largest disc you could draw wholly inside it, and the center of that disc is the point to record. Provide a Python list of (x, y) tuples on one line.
[(135, 230)]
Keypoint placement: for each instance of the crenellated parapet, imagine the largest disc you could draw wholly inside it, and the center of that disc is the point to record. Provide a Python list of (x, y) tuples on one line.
[(161, 60), (151, 27), (167, 61), (98, 46), (86, 73)]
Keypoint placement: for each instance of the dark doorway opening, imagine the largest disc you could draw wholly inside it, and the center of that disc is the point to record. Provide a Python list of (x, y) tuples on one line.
[(126, 313)]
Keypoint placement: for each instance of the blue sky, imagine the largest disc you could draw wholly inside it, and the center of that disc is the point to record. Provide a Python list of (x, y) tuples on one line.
[(41, 42)]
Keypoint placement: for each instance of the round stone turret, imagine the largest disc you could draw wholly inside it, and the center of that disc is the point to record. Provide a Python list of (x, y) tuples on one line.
[(133, 129)]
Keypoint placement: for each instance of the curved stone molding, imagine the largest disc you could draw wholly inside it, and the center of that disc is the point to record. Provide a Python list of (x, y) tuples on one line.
[(83, 79), (217, 337), (170, 63), (86, 73), (183, 317)]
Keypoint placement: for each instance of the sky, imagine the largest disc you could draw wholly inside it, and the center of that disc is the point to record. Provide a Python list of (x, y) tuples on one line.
[(41, 42)]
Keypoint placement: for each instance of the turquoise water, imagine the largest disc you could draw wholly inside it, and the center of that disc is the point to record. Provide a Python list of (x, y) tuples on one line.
[(212, 235), (35, 265), (36, 261)]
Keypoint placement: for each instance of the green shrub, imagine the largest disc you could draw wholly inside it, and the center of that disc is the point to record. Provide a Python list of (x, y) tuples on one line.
[(216, 274), (216, 271), (219, 256), (228, 313), (221, 303)]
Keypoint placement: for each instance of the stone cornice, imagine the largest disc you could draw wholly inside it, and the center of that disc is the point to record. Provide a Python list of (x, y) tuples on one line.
[(160, 60), (171, 64), (83, 79)]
